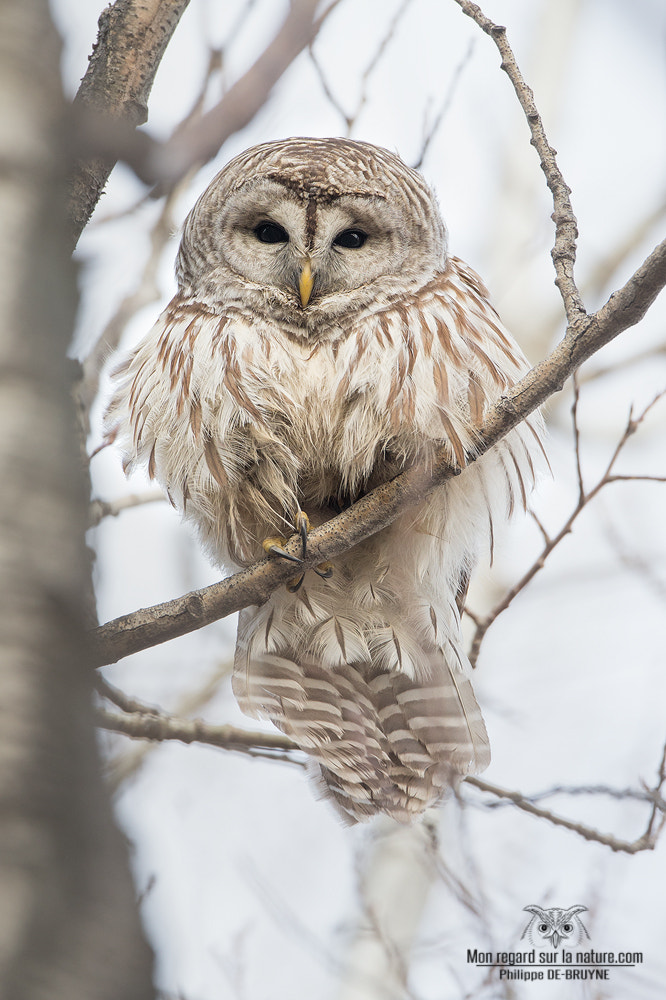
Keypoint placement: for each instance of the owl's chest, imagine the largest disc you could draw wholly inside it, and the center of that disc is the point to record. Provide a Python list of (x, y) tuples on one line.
[(316, 404), (302, 401)]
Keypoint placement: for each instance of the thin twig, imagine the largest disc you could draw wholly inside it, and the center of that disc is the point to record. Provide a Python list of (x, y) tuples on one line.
[(125, 764), (350, 119), (446, 104), (99, 509), (599, 277), (646, 842), (121, 700), (482, 624), (158, 726), (656, 791), (566, 228)]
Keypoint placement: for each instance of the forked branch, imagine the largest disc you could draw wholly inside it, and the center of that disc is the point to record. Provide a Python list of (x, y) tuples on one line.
[(551, 542)]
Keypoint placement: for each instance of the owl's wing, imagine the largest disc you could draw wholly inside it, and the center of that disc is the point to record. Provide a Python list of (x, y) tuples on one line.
[(432, 366), (191, 407)]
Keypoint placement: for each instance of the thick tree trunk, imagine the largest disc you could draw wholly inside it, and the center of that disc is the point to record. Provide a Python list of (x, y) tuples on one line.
[(69, 928)]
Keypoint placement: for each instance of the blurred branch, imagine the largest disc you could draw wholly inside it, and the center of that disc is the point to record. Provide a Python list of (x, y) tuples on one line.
[(199, 142), (650, 353), (482, 624), (113, 97), (566, 228), (146, 292), (429, 133), (351, 118), (99, 509), (153, 725), (383, 505), (125, 764)]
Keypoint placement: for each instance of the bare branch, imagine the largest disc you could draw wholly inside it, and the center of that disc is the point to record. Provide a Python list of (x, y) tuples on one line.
[(430, 133), (152, 725), (99, 509), (133, 36), (551, 543), (646, 842), (566, 228), (383, 505), (118, 698), (351, 118), (201, 141), (126, 763), (648, 354)]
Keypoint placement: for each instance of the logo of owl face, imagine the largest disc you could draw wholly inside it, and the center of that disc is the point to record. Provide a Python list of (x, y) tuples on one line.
[(555, 926)]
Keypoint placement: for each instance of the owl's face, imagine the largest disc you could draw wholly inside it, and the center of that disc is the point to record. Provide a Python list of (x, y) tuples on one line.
[(555, 926), (304, 230)]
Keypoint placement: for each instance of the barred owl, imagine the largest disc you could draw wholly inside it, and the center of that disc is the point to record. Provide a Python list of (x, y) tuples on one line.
[(321, 341)]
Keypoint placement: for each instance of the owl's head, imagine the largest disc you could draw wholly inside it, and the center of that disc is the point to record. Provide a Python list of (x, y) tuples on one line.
[(555, 926), (299, 226)]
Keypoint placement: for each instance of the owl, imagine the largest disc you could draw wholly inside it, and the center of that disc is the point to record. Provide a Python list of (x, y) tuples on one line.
[(555, 926), (321, 341)]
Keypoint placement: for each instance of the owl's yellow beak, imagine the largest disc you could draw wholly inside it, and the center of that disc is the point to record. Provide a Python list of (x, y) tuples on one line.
[(305, 283)]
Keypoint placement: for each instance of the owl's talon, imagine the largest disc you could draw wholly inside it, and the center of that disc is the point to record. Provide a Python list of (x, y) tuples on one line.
[(303, 526), (274, 547), (294, 585), (324, 570)]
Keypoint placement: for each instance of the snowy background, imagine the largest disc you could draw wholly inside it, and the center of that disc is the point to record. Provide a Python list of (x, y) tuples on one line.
[(251, 889)]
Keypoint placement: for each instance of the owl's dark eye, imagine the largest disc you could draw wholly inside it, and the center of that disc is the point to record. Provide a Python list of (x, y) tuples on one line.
[(567, 928), (543, 928), (351, 239), (270, 232)]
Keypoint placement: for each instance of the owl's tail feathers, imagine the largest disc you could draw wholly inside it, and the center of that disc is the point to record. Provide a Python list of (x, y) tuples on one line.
[(380, 742)]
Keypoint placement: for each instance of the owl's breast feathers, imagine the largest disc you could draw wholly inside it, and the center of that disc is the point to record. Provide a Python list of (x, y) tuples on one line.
[(240, 420), (243, 423)]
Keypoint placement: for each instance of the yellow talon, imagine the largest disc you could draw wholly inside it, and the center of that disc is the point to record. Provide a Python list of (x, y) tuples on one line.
[(275, 547)]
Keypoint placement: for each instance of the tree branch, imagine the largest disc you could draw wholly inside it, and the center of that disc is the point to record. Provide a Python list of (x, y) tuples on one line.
[(383, 505), (200, 141), (566, 227), (550, 543), (113, 97), (157, 726), (646, 842)]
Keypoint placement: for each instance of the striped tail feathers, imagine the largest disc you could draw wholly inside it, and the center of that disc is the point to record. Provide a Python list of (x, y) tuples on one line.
[(329, 714), (382, 741)]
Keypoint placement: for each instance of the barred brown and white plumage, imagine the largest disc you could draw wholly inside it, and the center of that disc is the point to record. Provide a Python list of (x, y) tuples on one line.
[(321, 341)]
